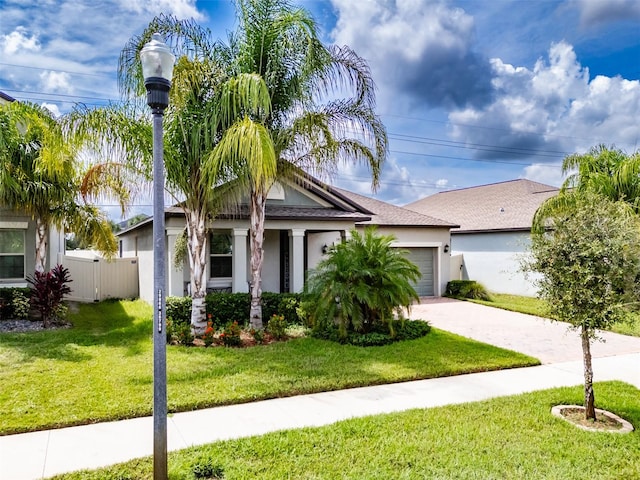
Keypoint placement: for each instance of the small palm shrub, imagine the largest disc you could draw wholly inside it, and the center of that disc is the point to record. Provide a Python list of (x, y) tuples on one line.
[(467, 289), (362, 283)]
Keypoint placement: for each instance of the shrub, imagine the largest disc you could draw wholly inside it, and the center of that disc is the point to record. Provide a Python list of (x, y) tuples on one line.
[(179, 310), (277, 327), (49, 290), (209, 334), (20, 304), (207, 469), (234, 307), (231, 335), (7, 307), (180, 333), (467, 289), (258, 335), (402, 330), (228, 307), (362, 283)]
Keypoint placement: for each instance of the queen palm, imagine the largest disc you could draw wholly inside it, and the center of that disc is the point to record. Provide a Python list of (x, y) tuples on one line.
[(41, 174), (193, 127), (608, 172), (308, 125)]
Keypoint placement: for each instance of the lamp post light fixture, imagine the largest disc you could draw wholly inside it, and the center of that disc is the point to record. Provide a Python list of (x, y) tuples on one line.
[(157, 69)]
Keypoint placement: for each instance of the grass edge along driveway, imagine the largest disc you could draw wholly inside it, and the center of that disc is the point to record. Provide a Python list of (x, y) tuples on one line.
[(101, 369), (503, 438)]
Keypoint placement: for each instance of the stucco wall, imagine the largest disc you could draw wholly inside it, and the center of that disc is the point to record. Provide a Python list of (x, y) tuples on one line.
[(493, 260), (407, 237)]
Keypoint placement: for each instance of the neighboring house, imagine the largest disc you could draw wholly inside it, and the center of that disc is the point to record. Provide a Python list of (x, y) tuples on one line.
[(494, 230), (18, 242), (303, 220)]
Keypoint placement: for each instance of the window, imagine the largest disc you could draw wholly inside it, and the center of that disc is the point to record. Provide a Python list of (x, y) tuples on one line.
[(221, 255), (12, 257)]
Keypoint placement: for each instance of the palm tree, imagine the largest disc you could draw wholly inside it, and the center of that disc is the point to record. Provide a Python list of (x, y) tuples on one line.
[(41, 174), (362, 282), (193, 125), (608, 172), (308, 126)]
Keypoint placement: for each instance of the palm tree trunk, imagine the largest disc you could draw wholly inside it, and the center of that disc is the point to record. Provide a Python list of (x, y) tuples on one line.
[(256, 221), (42, 237), (197, 243), (589, 397)]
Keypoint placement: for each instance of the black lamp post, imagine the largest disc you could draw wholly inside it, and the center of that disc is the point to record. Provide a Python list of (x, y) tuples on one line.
[(157, 68)]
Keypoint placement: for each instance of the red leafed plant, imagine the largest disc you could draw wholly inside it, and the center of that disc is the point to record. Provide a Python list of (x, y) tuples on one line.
[(48, 291)]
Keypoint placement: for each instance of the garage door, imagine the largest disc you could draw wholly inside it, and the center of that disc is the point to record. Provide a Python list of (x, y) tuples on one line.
[(423, 258)]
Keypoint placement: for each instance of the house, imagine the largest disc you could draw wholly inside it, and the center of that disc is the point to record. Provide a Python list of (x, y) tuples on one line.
[(18, 242), (303, 219), (494, 230)]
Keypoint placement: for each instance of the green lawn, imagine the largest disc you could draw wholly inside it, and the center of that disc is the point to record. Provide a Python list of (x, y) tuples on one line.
[(506, 438), (102, 369), (535, 306)]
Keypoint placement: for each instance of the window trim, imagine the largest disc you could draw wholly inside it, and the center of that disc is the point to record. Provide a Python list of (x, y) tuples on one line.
[(219, 255), (4, 228)]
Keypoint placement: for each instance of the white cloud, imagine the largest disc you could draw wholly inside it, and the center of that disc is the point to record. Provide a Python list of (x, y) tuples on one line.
[(18, 41), (53, 108), (551, 109), (58, 82), (544, 174), (442, 183), (182, 9)]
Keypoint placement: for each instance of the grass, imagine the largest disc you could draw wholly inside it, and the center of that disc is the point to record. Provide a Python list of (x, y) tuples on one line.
[(505, 438), (536, 306), (102, 369)]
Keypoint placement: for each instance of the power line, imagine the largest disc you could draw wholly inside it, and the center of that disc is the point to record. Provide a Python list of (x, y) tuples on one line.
[(57, 70)]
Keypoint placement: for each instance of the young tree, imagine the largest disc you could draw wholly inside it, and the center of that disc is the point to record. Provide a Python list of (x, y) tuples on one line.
[(589, 258), (362, 282)]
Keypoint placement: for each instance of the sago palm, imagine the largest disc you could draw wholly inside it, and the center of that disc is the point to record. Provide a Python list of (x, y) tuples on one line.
[(362, 282)]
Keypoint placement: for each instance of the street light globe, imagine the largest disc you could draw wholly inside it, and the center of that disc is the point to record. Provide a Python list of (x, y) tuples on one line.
[(157, 59), (157, 69)]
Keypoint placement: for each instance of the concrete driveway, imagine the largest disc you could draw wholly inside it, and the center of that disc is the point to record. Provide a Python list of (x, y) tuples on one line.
[(550, 342)]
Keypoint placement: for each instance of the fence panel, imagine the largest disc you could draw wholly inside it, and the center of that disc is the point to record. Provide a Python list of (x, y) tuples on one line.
[(98, 279)]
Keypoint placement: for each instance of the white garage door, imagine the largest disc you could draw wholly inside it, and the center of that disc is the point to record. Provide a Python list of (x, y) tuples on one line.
[(423, 258)]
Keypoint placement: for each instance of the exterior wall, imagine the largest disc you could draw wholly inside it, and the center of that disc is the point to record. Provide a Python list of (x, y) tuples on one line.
[(316, 243), (139, 243), (407, 237), (17, 221), (493, 260)]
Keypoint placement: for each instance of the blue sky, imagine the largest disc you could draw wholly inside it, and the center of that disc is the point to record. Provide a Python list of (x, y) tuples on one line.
[(471, 91)]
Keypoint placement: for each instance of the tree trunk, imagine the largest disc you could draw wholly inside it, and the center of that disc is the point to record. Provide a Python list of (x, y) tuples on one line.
[(589, 397), (256, 222), (42, 239), (197, 247)]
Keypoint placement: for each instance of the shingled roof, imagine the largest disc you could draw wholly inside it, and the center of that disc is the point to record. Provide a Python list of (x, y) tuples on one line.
[(383, 213), (504, 206)]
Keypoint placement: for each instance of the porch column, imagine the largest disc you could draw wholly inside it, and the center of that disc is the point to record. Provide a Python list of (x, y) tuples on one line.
[(239, 249), (175, 276), (296, 238)]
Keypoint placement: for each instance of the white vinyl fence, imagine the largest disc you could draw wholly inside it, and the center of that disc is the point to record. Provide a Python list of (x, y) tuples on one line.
[(96, 279)]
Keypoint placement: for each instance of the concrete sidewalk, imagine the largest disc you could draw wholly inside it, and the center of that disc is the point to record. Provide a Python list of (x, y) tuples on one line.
[(43, 454)]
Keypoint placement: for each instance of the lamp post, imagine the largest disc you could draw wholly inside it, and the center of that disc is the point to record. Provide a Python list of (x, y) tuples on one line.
[(157, 69)]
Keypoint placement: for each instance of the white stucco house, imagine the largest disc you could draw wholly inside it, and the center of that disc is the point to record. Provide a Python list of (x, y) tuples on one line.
[(303, 218), (494, 230)]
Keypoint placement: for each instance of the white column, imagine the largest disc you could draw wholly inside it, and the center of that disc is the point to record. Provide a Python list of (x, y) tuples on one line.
[(346, 235), (296, 237), (175, 276), (239, 249)]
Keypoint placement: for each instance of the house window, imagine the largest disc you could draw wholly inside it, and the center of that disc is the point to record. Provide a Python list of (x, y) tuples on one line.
[(12, 256), (221, 255)]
